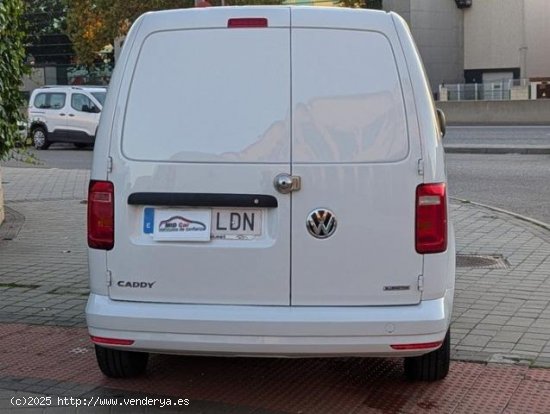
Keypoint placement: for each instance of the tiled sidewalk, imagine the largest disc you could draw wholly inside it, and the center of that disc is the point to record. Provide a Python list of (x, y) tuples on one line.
[(500, 315)]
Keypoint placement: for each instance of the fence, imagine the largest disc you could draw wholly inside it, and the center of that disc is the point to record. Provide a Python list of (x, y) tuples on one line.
[(66, 75), (505, 90)]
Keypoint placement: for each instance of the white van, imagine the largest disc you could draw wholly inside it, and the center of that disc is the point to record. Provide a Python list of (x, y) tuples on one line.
[(270, 181), (65, 114)]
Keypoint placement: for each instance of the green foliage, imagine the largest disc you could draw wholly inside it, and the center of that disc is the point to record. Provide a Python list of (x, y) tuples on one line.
[(365, 4), (250, 2), (12, 69), (373, 4), (45, 17), (94, 24)]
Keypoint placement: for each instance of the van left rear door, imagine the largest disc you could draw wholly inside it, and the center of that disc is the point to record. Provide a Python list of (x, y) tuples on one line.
[(205, 132)]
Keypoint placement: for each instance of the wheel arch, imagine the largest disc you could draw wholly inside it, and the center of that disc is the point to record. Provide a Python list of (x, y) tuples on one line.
[(38, 124)]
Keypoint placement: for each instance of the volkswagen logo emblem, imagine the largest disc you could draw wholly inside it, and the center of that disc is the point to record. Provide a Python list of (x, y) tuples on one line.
[(321, 223)]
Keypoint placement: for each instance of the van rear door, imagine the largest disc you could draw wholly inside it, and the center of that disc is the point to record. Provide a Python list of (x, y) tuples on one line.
[(358, 169), (204, 132)]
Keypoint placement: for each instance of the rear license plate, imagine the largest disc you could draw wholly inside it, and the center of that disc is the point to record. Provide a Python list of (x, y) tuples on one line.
[(202, 224), (236, 224)]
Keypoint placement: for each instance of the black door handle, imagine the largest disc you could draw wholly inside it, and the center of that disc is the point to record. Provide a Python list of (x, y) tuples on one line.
[(71, 114), (61, 114)]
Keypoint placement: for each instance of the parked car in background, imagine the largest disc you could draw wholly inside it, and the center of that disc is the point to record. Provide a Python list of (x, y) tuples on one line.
[(65, 114)]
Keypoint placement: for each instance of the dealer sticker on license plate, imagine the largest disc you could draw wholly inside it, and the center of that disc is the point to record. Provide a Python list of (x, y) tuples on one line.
[(202, 224), (185, 225)]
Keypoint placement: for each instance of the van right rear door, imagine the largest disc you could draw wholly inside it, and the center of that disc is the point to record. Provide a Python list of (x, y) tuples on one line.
[(353, 220)]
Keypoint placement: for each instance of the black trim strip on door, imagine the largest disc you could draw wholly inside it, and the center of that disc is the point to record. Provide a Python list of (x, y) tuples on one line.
[(203, 200)]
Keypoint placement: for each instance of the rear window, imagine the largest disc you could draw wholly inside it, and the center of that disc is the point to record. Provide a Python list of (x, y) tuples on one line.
[(348, 103), (212, 95)]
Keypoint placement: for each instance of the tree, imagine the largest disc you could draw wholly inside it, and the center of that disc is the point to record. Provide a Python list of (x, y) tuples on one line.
[(366, 4), (45, 17), (12, 69), (47, 43), (94, 24)]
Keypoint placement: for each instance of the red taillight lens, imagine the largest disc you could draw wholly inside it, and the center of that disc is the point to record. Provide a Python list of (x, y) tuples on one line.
[(101, 215), (247, 22), (111, 341), (431, 218)]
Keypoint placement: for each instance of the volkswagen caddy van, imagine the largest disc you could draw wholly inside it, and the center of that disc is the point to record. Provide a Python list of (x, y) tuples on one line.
[(270, 181)]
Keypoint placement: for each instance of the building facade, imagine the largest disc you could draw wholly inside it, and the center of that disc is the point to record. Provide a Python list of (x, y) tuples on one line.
[(480, 41), (437, 27)]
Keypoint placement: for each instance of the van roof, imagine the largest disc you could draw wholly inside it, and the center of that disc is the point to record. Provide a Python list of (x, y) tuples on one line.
[(302, 16), (80, 87)]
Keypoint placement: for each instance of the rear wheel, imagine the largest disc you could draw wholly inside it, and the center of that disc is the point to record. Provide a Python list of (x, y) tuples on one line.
[(40, 139), (115, 363), (432, 366)]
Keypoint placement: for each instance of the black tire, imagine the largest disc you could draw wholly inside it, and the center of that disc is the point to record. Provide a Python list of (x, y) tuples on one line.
[(115, 363), (432, 366), (40, 138)]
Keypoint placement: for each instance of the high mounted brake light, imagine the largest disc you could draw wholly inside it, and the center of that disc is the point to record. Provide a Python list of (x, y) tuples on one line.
[(101, 215), (431, 218), (247, 22)]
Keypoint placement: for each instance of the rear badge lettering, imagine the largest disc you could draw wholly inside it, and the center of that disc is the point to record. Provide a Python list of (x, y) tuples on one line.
[(140, 285), (394, 288)]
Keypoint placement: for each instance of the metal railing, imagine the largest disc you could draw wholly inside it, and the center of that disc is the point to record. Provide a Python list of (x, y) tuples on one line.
[(492, 91)]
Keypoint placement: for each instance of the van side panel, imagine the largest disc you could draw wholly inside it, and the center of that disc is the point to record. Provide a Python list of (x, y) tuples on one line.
[(433, 153), (99, 283), (439, 269)]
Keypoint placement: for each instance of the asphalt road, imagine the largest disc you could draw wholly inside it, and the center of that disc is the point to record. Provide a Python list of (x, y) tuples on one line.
[(63, 156), (518, 183)]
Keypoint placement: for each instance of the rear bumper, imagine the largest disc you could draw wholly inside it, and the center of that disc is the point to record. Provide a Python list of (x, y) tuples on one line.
[(270, 330)]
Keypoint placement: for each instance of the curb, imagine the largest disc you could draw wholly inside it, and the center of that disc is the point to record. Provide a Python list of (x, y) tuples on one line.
[(495, 149), (530, 220), (12, 224)]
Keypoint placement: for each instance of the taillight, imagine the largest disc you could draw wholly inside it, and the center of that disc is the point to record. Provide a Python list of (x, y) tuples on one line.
[(431, 218), (101, 215)]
